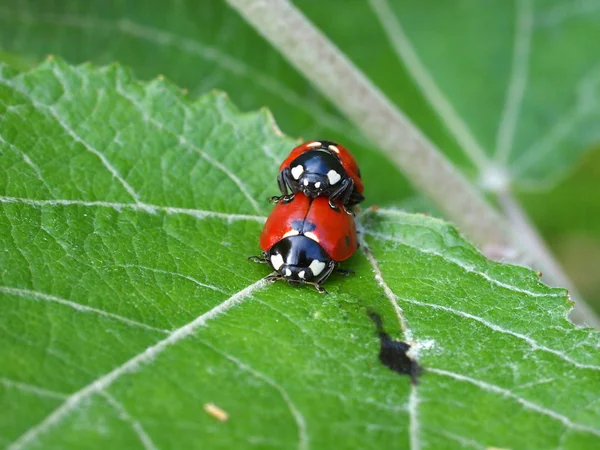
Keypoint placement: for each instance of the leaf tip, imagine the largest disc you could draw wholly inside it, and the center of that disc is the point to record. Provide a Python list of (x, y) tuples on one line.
[(270, 118), (218, 93)]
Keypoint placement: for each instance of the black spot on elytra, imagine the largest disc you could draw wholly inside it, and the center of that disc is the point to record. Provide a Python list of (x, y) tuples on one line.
[(347, 241), (309, 226), (303, 226), (394, 354)]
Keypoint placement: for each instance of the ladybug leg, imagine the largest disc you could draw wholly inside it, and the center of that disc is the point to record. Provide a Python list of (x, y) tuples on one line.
[(274, 277), (344, 192), (355, 198), (333, 206), (283, 181), (257, 259), (331, 266), (320, 289), (326, 273), (346, 196)]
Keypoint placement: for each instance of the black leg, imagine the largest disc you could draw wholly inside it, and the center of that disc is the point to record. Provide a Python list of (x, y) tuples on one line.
[(344, 191), (281, 182), (333, 206), (258, 259), (346, 195), (281, 198), (355, 198), (320, 289), (323, 277), (274, 277), (328, 271), (284, 180)]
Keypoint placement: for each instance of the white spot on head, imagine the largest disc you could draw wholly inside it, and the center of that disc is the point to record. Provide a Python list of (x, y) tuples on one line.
[(333, 177), (297, 171), (314, 144), (305, 182), (318, 184), (291, 233), (311, 235), (333, 148), (276, 261), (316, 267), (301, 274), (287, 272)]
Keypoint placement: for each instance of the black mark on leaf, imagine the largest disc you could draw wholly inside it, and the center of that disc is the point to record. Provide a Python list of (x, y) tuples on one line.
[(394, 354)]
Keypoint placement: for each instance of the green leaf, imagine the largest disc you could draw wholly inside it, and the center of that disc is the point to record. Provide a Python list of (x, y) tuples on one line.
[(513, 85), (469, 59), (201, 46), (127, 304)]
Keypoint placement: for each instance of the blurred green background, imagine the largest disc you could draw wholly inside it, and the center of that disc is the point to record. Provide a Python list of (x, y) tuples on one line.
[(473, 51)]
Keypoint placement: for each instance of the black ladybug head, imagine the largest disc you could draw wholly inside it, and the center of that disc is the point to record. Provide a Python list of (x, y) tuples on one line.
[(317, 172), (299, 259)]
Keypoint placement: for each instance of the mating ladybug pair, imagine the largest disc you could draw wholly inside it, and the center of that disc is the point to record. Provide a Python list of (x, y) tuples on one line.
[(312, 229)]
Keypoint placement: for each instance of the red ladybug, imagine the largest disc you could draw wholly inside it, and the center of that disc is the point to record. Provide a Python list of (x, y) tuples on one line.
[(304, 240), (321, 168)]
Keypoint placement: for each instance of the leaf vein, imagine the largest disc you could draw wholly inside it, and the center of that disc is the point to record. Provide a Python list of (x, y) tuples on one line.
[(71, 132), (463, 266), (524, 402), (413, 402), (26, 293), (174, 274), (183, 141), (142, 207), (532, 342), (25, 387), (303, 438), (135, 424), (100, 384)]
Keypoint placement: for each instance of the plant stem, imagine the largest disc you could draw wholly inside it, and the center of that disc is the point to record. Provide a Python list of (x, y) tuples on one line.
[(348, 88), (336, 77)]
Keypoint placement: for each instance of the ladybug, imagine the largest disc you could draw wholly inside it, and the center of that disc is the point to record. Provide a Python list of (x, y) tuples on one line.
[(304, 239), (321, 168)]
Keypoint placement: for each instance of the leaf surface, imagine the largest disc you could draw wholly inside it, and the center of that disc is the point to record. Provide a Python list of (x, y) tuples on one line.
[(201, 46), (127, 306), (507, 86)]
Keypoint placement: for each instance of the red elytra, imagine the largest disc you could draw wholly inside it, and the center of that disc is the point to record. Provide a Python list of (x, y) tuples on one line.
[(342, 153), (334, 231)]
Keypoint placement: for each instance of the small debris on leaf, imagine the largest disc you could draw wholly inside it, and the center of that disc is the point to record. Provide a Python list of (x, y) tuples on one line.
[(395, 354), (216, 412)]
